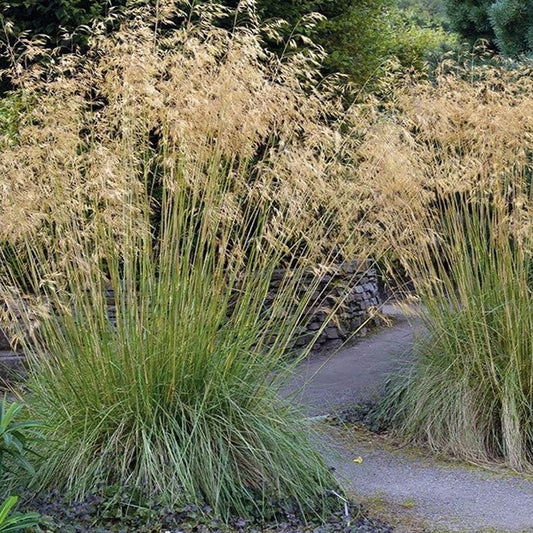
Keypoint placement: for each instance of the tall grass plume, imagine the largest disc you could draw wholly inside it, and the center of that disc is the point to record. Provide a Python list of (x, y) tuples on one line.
[(170, 170), (460, 223)]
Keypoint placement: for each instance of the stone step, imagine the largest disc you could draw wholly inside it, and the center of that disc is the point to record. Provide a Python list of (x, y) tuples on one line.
[(7, 356)]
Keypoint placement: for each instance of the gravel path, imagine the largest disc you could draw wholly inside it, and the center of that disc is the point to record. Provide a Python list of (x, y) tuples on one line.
[(419, 489)]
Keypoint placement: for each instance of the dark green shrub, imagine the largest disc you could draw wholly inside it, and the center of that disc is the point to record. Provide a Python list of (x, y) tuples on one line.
[(15, 438), (506, 24)]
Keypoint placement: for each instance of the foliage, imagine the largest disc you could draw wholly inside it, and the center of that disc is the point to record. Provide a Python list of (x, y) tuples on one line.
[(112, 511), (433, 11), (55, 16), (16, 436), (469, 18), (512, 23), (358, 39), (414, 41), (14, 439), (61, 24), (354, 32), (362, 36), (176, 393), (10, 523), (506, 24), (359, 36), (11, 108), (448, 171)]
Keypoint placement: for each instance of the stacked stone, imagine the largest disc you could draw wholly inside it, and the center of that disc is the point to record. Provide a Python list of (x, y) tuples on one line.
[(349, 289), (11, 362), (4, 342), (111, 307)]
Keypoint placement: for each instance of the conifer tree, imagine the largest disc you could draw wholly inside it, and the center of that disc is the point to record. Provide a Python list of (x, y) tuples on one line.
[(506, 24)]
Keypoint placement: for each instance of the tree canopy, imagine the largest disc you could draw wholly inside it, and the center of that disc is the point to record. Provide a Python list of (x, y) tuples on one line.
[(54, 16), (359, 36), (506, 24)]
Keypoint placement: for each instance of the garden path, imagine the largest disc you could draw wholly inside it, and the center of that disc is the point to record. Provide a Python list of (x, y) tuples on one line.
[(327, 381), (410, 488)]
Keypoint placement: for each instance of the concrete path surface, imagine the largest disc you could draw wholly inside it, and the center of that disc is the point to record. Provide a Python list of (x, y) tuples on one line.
[(416, 491), (328, 381)]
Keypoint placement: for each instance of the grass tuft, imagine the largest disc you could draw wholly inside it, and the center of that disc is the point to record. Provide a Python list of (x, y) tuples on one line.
[(173, 169), (471, 391)]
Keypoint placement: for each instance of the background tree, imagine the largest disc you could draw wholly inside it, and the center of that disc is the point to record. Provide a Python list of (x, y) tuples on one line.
[(359, 36), (512, 22), (59, 20), (427, 12), (48, 17), (362, 36), (506, 24)]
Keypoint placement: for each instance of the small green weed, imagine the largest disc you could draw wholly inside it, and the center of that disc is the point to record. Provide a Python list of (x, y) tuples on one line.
[(409, 503), (12, 522), (15, 437)]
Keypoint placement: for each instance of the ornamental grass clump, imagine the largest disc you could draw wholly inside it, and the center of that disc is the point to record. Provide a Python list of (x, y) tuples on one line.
[(471, 391), (460, 221), (170, 170)]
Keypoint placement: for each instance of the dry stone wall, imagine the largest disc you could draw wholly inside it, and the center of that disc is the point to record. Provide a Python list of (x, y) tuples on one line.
[(350, 289), (353, 283), (4, 343)]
